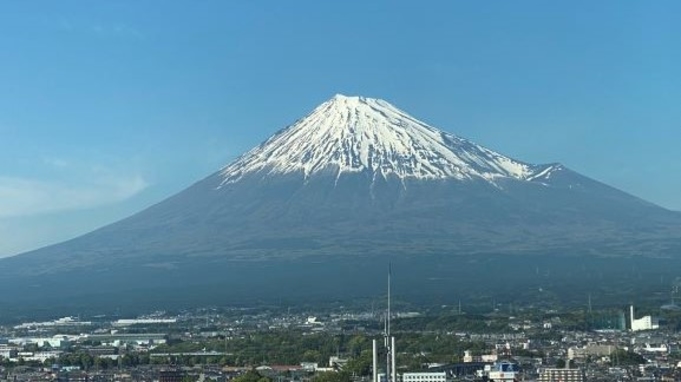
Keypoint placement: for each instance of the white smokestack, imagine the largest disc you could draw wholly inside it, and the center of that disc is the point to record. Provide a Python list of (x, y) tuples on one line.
[(394, 366), (375, 352), (631, 314)]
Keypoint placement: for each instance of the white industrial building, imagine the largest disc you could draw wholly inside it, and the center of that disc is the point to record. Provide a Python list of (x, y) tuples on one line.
[(7, 352), (60, 322), (143, 321), (643, 323), (40, 356), (56, 342), (118, 339)]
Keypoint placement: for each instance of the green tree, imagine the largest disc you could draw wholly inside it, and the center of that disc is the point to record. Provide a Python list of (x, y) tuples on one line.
[(331, 376), (357, 344), (622, 357), (251, 376), (312, 356), (360, 365)]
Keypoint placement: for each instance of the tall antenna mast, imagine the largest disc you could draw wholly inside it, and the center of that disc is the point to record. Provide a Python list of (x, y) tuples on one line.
[(390, 271), (390, 368)]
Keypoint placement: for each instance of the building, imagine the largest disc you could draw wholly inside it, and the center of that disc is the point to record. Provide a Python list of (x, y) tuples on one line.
[(64, 321), (309, 366), (490, 358), (116, 339), (143, 321), (40, 356), (337, 362), (593, 350), (170, 376), (643, 323), (425, 377), (503, 371), (55, 342), (7, 352), (563, 375)]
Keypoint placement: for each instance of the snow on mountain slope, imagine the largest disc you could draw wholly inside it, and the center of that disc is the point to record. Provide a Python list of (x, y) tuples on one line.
[(357, 134)]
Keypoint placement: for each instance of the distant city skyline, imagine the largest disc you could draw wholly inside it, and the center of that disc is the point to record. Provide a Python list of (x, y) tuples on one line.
[(110, 107)]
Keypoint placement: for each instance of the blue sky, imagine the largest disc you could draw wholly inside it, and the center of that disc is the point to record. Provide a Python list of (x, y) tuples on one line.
[(108, 107)]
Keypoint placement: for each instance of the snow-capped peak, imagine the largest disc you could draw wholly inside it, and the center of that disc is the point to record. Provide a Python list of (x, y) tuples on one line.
[(358, 134)]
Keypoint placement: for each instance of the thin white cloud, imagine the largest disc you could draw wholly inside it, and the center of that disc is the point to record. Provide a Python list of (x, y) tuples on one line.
[(120, 30), (99, 28), (56, 162), (21, 236), (65, 25), (26, 197)]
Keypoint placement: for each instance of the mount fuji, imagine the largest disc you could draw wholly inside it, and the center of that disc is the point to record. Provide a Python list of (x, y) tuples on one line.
[(355, 183)]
